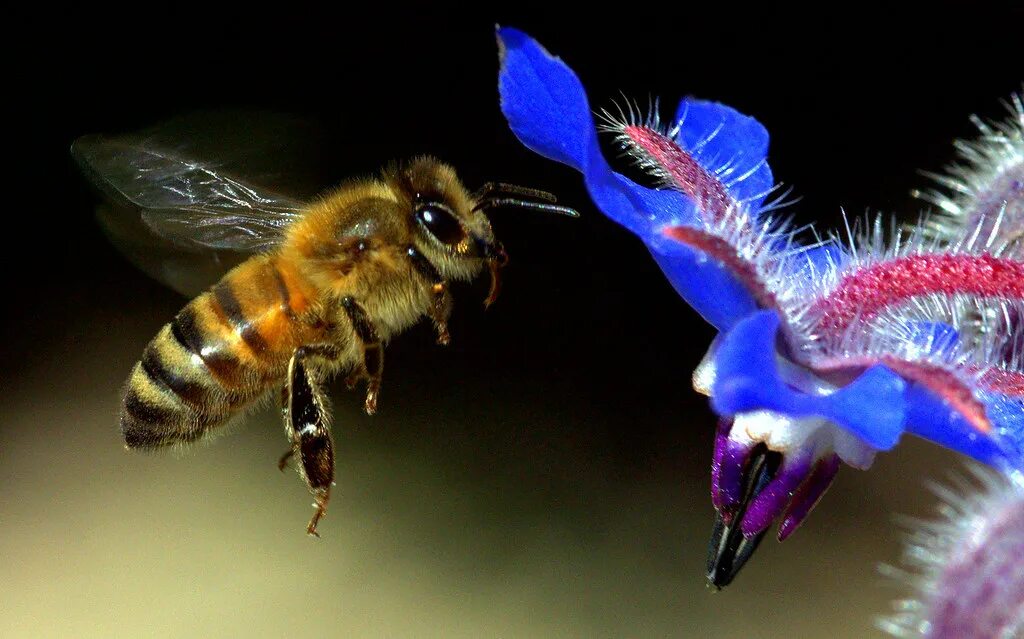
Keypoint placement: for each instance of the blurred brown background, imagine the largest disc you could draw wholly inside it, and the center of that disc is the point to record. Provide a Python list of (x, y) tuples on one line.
[(544, 476)]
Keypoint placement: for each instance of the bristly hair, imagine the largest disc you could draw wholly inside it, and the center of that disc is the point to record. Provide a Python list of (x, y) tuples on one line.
[(963, 567), (986, 181), (899, 268), (762, 249), (660, 152)]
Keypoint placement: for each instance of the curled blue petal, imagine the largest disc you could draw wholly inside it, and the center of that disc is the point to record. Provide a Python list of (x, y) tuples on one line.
[(547, 109), (544, 101), (748, 378), (877, 407), (932, 417), (728, 144)]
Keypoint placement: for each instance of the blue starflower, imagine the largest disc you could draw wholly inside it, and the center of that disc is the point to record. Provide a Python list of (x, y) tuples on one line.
[(827, 353)]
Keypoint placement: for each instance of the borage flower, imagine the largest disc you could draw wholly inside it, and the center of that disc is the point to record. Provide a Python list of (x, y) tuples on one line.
[(827, 352)]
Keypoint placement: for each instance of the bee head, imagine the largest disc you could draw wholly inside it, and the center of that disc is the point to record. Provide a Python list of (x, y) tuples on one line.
[(450, 223)]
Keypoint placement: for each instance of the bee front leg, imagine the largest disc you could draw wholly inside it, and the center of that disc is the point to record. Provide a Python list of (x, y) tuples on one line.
[(441, 303), (306, 423), (373, 352)]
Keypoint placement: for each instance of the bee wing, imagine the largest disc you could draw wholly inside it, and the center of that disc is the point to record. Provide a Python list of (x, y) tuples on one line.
[(185, 220), (193, 203)]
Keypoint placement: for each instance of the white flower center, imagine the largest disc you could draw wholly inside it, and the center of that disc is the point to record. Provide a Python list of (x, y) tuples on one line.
[(801, 435), (781, 432)]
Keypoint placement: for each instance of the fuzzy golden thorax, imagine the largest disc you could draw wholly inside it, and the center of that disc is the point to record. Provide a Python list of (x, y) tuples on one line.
[(354, 241)]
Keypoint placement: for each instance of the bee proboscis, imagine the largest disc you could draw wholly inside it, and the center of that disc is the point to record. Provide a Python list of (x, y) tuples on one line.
[(324, 284)]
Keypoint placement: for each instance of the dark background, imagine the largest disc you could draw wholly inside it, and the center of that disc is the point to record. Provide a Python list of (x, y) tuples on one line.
[(546, 474)]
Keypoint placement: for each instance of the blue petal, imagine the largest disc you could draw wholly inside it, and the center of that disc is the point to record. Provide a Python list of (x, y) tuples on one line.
[(930, 417), (719, 136), (748, 378), (546, 107), (877, 407), (704, 283), (544, 101)]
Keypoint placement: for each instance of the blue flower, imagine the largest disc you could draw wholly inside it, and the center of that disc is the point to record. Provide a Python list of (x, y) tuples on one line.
[(826, 352)]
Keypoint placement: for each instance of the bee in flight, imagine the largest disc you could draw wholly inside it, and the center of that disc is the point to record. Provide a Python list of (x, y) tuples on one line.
[(322, 285)]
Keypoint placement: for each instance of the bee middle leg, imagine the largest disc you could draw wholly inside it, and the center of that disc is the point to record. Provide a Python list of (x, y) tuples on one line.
[(373, 353), (307, 425)]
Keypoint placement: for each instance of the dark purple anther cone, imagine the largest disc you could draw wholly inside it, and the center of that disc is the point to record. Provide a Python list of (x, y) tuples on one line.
[(751, 486), (721, 438), (728, 468), (729, 548), (808, 494), (772, 500)]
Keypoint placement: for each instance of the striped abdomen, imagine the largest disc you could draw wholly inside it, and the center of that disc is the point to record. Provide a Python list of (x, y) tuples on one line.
[(225, 349)]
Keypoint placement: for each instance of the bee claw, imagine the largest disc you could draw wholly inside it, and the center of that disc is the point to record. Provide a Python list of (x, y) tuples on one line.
[(322, 497), (495, 263), (283, 462)]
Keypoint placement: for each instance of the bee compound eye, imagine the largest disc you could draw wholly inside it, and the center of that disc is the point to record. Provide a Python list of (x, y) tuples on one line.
[(440, 223)]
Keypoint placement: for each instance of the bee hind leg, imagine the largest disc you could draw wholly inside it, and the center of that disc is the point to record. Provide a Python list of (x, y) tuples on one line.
[(306, 423)]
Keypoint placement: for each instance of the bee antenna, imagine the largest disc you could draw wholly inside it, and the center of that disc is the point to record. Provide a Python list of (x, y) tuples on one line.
[(500, 202), (495, 188)]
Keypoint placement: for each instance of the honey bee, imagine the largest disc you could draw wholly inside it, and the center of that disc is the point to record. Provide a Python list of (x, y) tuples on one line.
[(323, 286)]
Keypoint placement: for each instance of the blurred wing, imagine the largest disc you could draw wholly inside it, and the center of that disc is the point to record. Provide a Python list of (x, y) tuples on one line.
[(183, 220), (194, 204), (187, 271)]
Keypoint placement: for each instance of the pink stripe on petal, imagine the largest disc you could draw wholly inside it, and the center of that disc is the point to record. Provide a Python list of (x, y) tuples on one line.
[(682, 170), (867, 291), (945, 384), (1003, 381)]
